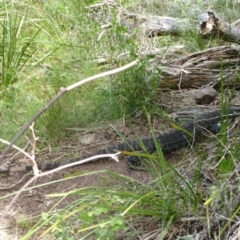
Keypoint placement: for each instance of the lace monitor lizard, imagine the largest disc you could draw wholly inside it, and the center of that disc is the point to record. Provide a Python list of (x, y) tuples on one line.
[(169, 141)]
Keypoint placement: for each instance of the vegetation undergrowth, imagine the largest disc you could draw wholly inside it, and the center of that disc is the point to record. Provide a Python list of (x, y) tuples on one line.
[(119, 206), (49, 44), (104, 211)]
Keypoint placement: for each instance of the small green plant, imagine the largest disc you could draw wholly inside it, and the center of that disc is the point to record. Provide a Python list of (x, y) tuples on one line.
[(137, 90), (17, 46), (24, 222), (21, 55)]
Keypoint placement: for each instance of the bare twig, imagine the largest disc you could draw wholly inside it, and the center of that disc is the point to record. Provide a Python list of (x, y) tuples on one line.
[(32, 158), (25, 148), (17, 148), (35, 167), (62, 92)]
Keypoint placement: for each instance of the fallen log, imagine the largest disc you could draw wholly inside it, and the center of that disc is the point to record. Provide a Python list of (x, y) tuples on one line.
[(211, 25), (208, 24), (212, 66)]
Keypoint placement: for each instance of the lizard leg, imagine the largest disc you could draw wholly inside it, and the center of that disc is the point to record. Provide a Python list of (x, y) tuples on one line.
[(134, 162)]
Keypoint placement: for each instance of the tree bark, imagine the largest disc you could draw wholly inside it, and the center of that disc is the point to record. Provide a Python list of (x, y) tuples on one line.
[(209, 24), (212, 66)]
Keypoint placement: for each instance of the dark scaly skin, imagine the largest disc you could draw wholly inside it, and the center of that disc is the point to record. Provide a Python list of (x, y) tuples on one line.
[(169, 141)]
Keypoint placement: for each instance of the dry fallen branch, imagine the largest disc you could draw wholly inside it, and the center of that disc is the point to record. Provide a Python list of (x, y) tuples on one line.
[(207, 67), (17, 148), (158, 26)]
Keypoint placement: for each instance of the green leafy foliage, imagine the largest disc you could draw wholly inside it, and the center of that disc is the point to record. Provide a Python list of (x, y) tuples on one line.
[(17, 47), (137, 90)]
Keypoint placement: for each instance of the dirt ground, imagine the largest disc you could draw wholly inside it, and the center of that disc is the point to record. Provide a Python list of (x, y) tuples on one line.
[(35, 201), (82, 141)]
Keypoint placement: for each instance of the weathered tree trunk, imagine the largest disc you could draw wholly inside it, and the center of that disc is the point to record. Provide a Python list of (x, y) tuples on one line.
[(208, 24), (211, 66), (157, 26)]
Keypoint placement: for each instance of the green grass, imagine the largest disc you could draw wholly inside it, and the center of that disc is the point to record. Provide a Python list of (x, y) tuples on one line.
[(120, 204), (103, 211), (49, 44)]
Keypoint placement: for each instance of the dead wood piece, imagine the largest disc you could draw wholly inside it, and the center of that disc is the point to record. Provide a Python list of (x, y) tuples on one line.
[(208, 20), (203, 68), (197, 79), (220, 53), (157, 26), (210, 24), (152, 26)]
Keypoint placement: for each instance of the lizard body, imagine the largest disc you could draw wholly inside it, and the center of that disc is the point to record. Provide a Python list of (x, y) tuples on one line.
[(169, 141)]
